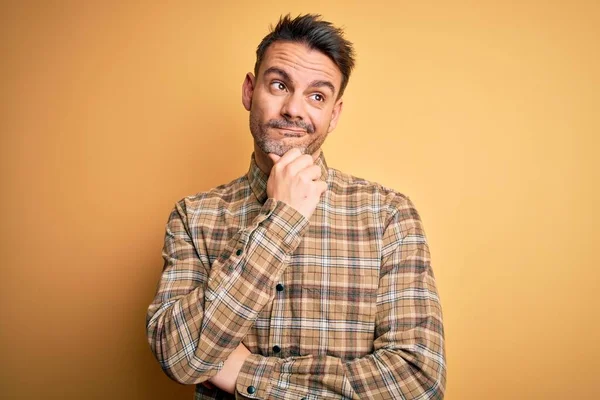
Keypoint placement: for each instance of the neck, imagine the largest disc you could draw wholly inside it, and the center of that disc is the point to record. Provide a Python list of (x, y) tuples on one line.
[(264, 162)]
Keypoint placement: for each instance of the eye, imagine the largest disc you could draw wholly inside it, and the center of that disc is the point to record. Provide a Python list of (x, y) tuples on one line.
[(318, 97), (278, 86)]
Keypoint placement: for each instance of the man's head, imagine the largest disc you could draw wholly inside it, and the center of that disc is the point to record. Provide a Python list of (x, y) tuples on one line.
[(295, 95), (316, 34)]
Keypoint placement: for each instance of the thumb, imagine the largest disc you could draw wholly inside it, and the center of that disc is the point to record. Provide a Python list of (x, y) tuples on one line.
[(274, 157)]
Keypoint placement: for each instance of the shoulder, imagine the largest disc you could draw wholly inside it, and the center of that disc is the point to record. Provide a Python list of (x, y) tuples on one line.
[(215, 199), (358, 191)]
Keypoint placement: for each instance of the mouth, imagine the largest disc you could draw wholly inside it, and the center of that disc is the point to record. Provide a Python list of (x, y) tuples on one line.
[(291, 132)]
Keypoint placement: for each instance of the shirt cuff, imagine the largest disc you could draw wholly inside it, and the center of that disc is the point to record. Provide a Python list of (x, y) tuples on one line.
[(255, 377), (285, 222)]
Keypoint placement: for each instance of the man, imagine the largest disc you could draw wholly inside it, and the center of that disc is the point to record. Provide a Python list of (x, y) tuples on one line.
[(298, 281)]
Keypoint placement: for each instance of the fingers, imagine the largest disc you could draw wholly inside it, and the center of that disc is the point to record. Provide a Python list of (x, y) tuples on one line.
[(292, 162), (299, 164), (321, 186), (311, 173), (288, 157)]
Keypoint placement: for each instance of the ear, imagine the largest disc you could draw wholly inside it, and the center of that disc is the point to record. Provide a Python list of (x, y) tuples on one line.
[(335, 115), (248, 90)]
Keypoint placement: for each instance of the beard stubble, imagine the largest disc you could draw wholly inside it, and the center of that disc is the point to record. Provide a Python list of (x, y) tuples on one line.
[(269, 145)]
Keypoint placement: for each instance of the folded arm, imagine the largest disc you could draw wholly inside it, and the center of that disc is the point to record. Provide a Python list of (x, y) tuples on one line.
[(201, 313), (408, 361)]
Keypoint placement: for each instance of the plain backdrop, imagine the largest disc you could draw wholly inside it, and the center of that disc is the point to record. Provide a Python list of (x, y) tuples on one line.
[(485, 113)]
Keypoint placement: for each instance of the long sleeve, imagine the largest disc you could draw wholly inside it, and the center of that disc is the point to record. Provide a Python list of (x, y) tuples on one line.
[(408, 361), (201, 312)]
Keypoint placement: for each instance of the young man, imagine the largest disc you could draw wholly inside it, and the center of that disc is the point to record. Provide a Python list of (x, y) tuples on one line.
[(297, 280)]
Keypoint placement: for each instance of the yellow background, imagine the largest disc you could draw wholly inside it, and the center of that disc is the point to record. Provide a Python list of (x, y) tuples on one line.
[(485, 113)]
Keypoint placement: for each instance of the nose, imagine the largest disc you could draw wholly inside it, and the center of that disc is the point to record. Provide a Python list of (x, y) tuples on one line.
[(293, 107)]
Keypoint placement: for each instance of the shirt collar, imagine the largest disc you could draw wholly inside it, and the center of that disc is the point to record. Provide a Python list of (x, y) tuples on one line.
[(258, 179)]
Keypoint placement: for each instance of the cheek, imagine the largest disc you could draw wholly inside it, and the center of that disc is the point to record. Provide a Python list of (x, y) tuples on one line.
[(320, 119), (266, 106)]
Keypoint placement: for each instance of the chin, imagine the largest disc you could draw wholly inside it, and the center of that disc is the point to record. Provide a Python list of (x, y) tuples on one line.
[(279, 148)]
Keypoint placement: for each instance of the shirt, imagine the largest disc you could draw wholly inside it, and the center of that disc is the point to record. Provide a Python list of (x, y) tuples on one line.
[(341, 305)]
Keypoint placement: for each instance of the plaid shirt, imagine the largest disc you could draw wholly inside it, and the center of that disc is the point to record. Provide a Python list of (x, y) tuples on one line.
[(341, 306)]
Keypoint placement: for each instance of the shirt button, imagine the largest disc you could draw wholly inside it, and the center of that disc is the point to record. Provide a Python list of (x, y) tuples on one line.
[(279, 287), (251, 389), (276, 349), (239, 252)]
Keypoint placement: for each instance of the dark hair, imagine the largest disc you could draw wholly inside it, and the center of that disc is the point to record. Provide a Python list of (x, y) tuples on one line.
[(316, 34)]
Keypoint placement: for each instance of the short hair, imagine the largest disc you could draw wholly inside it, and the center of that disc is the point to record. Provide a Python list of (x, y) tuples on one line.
[(315, 33)]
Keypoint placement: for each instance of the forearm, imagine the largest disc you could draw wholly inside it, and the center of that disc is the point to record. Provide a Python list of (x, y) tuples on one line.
[(386, 374), (408, 359), (195, 324)]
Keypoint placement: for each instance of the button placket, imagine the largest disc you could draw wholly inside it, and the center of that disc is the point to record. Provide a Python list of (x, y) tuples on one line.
[(277, 313)]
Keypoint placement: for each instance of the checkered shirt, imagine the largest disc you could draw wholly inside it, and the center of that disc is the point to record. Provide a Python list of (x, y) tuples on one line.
[(341, 306)]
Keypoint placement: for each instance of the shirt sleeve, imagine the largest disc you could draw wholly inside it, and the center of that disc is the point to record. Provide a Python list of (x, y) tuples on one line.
[(201, 312), (408, 361)]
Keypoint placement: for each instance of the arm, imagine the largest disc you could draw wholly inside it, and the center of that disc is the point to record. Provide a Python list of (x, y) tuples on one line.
[(201, 313), (408, 361)]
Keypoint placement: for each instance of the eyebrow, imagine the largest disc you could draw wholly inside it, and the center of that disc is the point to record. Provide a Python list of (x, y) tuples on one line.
[(279, 71), (286, 76), (323, 84)]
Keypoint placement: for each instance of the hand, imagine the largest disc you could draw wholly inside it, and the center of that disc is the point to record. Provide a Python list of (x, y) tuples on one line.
[(225, 379), (294, 179)]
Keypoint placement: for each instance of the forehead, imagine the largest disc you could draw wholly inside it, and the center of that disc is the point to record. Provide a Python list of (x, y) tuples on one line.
[(302, 63)]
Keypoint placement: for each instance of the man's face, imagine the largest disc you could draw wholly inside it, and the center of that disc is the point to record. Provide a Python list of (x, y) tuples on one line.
[(293, 99)]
